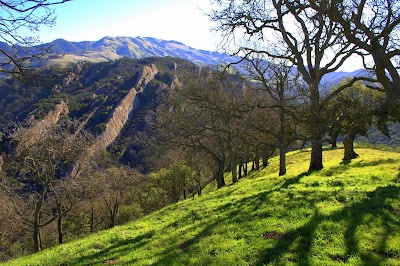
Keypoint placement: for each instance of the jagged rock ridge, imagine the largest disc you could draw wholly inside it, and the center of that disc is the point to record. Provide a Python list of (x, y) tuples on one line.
[(121, 113), (109, 99)]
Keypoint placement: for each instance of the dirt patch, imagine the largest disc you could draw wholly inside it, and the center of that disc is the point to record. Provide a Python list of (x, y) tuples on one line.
[(111, 261), (274, 235)]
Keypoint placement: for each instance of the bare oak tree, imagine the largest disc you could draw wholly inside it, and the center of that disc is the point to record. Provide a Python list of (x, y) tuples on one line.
[(290, 30), (42, 169), (20, 21), (373, 26), (279, 83), (203, 116)]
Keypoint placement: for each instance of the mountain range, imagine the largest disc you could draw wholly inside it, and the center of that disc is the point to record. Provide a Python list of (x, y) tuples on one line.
[(112, 48)]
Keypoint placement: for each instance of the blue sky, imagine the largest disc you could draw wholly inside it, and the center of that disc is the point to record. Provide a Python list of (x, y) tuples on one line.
[(179, 20)]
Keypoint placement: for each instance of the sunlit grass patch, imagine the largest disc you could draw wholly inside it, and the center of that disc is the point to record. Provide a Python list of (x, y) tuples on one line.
[(345, 214)]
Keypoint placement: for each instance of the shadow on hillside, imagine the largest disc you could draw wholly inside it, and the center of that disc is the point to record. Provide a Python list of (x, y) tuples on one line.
[(111, 254), (362, 163), (373, 207), (343, 167), (376, 206), (236, 212)]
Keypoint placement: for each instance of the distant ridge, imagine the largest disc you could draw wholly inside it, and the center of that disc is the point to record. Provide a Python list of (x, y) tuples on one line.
[(114, 48), (111, 48)]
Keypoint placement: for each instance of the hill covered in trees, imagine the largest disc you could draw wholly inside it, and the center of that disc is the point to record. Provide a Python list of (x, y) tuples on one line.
[(92, 93), (346, 214), (68, 139), (96, 143)]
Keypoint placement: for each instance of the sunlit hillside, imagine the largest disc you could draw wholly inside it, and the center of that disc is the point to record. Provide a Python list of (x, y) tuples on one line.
[(346, 214)]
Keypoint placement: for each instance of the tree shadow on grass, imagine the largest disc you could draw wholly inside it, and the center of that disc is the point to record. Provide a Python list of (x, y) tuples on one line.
[(297, 241), (374, 206), (345, 165), (111, 254), (235, 212)]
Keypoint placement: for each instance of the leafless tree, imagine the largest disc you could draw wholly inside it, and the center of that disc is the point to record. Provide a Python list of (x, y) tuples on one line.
[(116, 182), (373, 26), (280, 86), (42, 175), (203, 116), (20, 21), (290, 30)]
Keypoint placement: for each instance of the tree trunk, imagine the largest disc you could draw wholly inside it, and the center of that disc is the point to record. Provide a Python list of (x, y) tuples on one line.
[(348, 142), (334, 136), (316, 155), (282, 160), (36, 220), (315, 129), (232, 161), (36, 238), (219, 175), (59, 222), (114, 211), (240, 168), (265, 155), (40, 240), (198, 181), (257, 160), (245, 168), (60, 230), (91, 220), (199, 190), (112, 219)]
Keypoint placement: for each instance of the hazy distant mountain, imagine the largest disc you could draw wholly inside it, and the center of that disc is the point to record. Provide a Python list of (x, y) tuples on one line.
[(111, 48), (335, 78)]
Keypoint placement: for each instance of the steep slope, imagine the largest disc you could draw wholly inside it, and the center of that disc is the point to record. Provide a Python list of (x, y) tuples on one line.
[(105, 97), (121, 113), (346, 214)]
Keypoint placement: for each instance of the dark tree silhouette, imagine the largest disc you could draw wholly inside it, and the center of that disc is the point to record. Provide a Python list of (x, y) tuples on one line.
[(20, 21), (290, 30), (373, 26)]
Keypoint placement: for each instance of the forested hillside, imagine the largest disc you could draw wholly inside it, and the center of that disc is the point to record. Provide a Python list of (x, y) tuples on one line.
[(92, 92), (149, 152)]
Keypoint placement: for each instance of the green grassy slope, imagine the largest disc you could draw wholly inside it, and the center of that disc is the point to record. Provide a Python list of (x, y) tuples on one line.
[(345, 214)]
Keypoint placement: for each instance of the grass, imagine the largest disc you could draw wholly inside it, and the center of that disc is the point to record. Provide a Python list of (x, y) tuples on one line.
[(345, 214)]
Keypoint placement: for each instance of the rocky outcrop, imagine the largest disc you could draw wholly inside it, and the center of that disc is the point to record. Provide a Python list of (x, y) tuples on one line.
[(145, 76), (34, 133), (117, 119), (121, 114), (74, 74), (175, 83)]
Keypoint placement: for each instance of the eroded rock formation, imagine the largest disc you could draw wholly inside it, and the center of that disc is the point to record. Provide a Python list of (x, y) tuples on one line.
[(33, 134), (121, 114)]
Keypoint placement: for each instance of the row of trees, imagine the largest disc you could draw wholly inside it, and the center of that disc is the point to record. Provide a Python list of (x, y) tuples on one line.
[(50, 193), (212, 123), (223, 121), (317, 37)]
